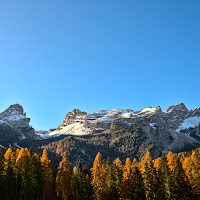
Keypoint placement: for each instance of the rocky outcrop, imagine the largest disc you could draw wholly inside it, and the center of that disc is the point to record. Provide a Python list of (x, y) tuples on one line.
[(76, 116), (14, 126), (164, 129), (116, 132), (14, 116), (175, 115)]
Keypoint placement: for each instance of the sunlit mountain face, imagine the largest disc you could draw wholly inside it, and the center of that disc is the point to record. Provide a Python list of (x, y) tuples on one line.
[(113, 132)]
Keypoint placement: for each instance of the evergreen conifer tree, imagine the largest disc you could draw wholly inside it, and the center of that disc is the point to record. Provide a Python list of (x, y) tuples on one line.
[(137, 191), (150, 181), (195, 173), (165, 178), (36, 174), (9, 180), (64, 187), (80, 185), (47, 175), (181, 187), (127, 176), (98, 176), (2, 177), (110, 188)]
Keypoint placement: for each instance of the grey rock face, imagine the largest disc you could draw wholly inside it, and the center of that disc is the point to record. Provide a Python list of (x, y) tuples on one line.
[(162, 128), (14, 126), (176, 129), (14, 115), (196, 112), (175, 115), (73, 117)]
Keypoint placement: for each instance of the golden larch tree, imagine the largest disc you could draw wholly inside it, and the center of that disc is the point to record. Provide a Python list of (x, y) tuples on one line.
[(195, 172), (98, 176), (46, 174), (118, 163), (135, 162), (171, 160), (127, 176), (147, 158), (64, 187)]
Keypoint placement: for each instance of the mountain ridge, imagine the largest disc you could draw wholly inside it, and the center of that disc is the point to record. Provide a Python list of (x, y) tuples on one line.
[(115, 132)]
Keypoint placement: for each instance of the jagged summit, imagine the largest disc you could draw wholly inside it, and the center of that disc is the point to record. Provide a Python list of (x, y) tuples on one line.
[(79, 122), (127, 133), (14, 115), (16, 107), (14, 126), (180, 107), (163, 128), (172, 130), (73, 117)]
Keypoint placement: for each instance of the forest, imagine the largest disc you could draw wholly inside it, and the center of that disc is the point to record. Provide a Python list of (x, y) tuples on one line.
[(25, 175)]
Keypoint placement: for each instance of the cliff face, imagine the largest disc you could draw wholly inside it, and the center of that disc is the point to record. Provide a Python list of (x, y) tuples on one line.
[(168, 130), (124, 133), (76, 116), (14, 127), (127, 133)]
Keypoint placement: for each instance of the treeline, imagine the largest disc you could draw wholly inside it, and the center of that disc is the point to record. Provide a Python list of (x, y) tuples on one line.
[(24, 175)]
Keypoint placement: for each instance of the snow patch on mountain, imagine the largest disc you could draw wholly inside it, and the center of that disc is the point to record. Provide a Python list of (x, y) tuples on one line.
[(110, 115), (14, 117), (104, 115), (42, 135), (17, 146), (2, 146), (152, 125), (73, 129), (129, 115), (190, 122), (147, 111)]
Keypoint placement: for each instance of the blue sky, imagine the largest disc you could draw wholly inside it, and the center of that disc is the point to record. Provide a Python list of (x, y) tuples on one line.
[(59, 55)]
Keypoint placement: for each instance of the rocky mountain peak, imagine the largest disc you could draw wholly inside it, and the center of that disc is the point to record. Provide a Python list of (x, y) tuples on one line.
[(14, 121), (180, 108), (172, 130), (175, 115), (73, 117), (14, 115), (77, 112), (16, 107), (14, 126), (196, 112)]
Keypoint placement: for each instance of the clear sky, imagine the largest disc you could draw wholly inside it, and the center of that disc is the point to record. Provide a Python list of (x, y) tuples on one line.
[(57, 55)]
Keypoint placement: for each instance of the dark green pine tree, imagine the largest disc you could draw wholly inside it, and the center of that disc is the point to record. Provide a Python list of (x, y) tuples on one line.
[(165, 179), (9, 180), (181, 187), (110, 189), (27, 179), (161, 190), (118, 179), (31, 151), (151, 182), (2, 180), (137, 191), (87, 172), (80, 184), (157, 185), (36, 174)]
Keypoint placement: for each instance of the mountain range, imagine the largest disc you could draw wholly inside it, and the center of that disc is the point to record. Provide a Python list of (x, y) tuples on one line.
[(114, 133)]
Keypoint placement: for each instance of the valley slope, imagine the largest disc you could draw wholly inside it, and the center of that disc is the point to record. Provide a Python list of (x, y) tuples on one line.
[(114, 133)]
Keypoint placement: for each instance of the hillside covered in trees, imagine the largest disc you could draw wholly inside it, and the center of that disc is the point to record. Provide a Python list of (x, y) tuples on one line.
[(25, 175), (114, 133)]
